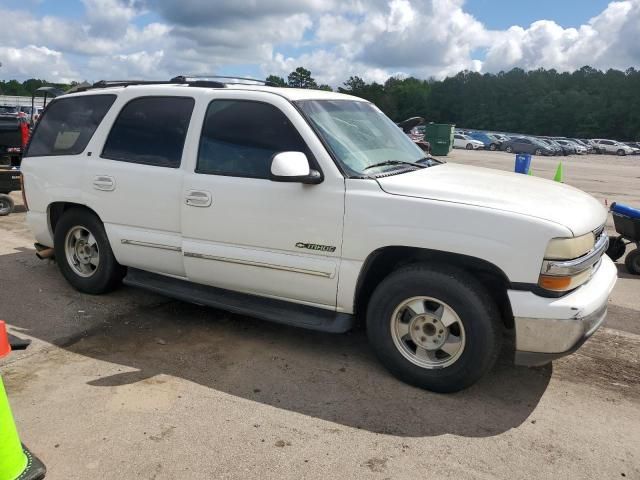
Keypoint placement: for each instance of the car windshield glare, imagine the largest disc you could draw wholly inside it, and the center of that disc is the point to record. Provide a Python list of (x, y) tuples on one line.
[(360, 135)]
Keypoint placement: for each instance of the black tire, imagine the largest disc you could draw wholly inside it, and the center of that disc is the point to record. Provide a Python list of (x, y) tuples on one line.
[(616, 248), (621, 153), (469, 146), (538, 152), (632, 262), (108, 274), (509, 149), (471, 303), (6, 205), (493, 147)]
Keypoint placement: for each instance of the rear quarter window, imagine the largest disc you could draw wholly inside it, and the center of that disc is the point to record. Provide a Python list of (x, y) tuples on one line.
[(68, 124)]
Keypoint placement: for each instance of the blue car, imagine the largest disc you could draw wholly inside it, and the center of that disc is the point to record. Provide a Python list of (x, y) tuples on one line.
[(491, 142)]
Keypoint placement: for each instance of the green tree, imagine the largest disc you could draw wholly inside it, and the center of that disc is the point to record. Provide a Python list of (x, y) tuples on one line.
[(301, 78), (276, 81)]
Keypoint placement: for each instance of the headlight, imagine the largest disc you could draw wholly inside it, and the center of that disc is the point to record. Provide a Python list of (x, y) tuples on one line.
[(569, 248), (570, 262)]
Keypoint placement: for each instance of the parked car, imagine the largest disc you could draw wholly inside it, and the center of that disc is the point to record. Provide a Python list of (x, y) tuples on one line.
[(564, 149), (8, 110), (572, 146), (465, 141), (635, 146), (613, 146), (557, 148), (527, 145), (325, 212), (14, 134), (489, 141), (589, 148)]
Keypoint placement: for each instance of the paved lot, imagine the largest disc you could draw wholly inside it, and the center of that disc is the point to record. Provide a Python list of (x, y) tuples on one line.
[(134, 385)]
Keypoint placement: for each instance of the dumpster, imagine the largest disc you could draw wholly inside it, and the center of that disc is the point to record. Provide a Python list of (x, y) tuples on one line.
[(523, 163), (440, 136)]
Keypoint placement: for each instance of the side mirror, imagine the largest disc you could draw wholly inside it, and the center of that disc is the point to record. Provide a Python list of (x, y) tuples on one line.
[(293, 167)]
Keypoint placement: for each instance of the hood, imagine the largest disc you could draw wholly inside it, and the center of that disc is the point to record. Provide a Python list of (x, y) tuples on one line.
[(496, 189)]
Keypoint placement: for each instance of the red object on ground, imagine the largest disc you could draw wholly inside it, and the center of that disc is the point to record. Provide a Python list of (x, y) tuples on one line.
[(5, 346)]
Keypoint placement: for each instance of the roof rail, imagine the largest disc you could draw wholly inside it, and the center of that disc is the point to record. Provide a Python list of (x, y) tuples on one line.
[(122, 83), (191, 79)]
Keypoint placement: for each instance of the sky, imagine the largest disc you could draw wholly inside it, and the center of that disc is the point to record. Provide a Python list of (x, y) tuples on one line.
[(66, 40)]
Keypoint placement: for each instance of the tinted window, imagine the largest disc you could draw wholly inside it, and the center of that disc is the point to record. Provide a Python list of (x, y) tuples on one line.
[(239, 138), (151, 131), (68, 124), (459, 137)]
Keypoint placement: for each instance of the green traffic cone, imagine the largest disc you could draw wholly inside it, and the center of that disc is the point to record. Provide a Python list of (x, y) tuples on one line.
[(559, 177), (530, 172), (16, 462)]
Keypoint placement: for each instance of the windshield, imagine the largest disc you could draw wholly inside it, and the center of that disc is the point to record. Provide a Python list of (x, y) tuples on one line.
[(360, 135)]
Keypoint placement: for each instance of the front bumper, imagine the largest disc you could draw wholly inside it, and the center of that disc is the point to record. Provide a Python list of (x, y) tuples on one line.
[(550, 328)]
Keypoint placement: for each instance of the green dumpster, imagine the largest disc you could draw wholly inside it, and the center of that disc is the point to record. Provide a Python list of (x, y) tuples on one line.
[(440, 136)]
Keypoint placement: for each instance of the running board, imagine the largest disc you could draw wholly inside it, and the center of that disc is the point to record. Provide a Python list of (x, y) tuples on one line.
[(278, 311)]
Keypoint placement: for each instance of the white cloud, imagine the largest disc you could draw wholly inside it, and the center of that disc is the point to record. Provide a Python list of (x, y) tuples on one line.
[(334, 39)]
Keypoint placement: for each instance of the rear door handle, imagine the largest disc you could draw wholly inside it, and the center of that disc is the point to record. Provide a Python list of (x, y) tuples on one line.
[(104, 182), (198, 198)]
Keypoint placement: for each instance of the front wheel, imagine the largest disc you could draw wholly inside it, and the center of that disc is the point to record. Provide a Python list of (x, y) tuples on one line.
[(616, 248), (621, 153), (6, 205), (632, 262), (83, 253), (493, 147), (434, 327), (509, 149), (469, 146), (537, 152)]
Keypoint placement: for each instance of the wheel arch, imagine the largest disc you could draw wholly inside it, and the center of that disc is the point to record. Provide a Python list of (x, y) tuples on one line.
[(383, 261), (55, 210)]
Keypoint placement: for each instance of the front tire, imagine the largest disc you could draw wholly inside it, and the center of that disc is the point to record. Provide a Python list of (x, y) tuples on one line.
[(538, 152), (469, 146), (616, 248), (84, 255), (493, 147), (6, 205), (434, 327), (632, 262), (509, 149), (621, 153)]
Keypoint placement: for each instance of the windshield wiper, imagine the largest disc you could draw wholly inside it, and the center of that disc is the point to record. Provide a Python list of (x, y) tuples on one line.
[(395, 162)]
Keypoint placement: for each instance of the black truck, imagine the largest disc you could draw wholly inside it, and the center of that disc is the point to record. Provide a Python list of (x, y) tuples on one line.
[(14, 134)]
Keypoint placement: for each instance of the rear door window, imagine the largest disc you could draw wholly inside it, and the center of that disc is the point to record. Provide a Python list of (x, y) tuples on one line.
[(150, 131), (68, 124)]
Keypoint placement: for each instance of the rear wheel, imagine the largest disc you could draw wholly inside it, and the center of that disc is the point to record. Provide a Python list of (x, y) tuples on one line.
[(6, 205), (509, 149), (632, 262), (83, 253), (434, 327), (616, 248), (493, 147), (538, 152)]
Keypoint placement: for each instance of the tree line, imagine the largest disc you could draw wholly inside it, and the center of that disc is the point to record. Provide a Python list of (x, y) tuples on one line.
[(586, 103)]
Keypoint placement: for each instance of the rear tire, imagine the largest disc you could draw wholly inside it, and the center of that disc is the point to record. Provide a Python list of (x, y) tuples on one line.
[(84, 255), (509, 149), (632, 262), (6, 205), (537, 152), (493, 147), (616, 248), (448, 346)]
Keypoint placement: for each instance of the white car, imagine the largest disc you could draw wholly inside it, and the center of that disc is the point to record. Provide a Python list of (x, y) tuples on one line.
[(311, 208), (464, 141), (613, 146)]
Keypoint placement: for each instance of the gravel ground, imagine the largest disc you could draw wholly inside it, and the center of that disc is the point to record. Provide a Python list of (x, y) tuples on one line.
[(138, 386)]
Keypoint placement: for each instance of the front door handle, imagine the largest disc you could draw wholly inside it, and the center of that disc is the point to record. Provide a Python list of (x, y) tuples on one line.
[(198, 198), (104, 182)]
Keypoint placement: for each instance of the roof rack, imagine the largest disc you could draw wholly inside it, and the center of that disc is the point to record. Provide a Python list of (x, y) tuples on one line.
[(191, 79), (210, 81)]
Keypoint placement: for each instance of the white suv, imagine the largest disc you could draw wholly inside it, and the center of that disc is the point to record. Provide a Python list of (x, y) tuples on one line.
[(312, 208)]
